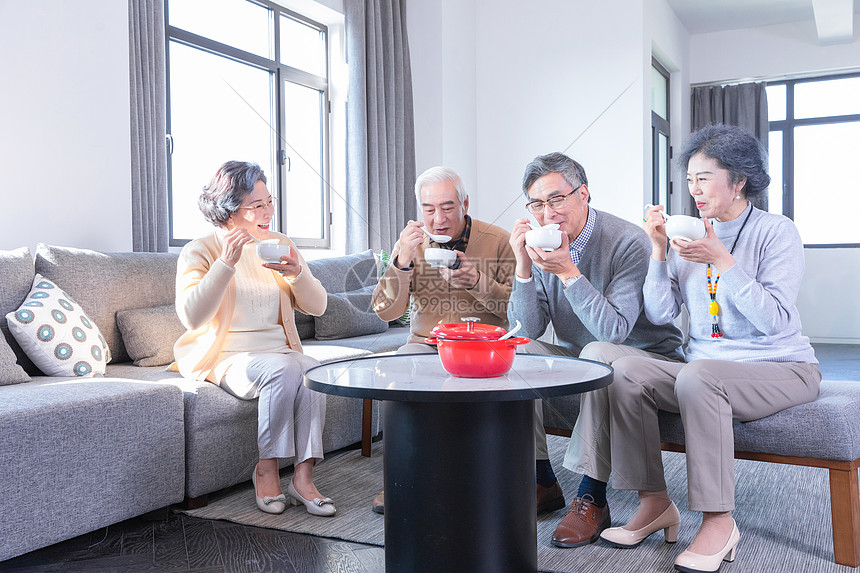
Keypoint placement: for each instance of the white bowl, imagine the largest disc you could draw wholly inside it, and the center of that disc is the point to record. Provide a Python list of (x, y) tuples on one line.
[(547, 238), (439, 258), (272, 252), (685, 228)]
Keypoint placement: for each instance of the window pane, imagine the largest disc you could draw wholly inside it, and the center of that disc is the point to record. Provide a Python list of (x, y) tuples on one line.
[(237, 23), (659, 93), (302, 47), (304, 145), (826, 199), (774, 198), (776, 102), (219, 110), (826, 98)]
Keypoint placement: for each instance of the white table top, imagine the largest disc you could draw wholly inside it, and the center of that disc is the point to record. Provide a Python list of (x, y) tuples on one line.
[(421, 377)]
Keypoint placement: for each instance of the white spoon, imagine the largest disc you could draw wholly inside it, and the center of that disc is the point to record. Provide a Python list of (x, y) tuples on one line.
[(511, 332), (663, 213), (437, 238)]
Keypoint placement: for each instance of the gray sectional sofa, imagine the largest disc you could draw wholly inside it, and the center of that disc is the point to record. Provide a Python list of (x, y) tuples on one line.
[(77, 454)]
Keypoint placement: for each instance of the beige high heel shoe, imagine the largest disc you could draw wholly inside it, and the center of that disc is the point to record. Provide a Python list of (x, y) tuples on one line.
[(669, 521), (270, 504), (322, 506), (689, 562)]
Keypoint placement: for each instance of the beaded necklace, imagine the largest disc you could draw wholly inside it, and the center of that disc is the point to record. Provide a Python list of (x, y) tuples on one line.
[(713, 306)]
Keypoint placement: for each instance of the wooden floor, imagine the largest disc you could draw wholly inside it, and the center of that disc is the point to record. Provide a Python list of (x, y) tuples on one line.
[(165, 541), (176, 542)]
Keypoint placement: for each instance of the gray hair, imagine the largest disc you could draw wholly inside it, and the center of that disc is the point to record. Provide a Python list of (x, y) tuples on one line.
[(440, 174), (229, 186), (572, 172), (734, 149)]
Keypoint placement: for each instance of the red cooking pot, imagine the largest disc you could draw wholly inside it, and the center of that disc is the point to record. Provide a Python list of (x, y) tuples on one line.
[(470, 350)]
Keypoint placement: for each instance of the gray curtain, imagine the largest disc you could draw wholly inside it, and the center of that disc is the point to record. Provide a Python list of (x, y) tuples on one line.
[(741, 104), (149, 216), (380, 163)]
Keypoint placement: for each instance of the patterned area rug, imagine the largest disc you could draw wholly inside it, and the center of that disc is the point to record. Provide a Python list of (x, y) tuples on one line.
[(783, 513)]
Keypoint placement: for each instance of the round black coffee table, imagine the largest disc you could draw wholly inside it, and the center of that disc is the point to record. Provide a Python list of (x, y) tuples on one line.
[(459, 454)]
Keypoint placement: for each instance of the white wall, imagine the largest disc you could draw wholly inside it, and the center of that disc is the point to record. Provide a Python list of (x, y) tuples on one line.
[(64, 120), (828, 293), (543, 72)]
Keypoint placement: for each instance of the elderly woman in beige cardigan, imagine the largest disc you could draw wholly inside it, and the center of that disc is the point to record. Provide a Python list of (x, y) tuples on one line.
[(242, 336)]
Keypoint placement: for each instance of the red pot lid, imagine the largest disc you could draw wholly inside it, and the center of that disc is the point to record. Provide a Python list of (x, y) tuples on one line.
[(467, 331)]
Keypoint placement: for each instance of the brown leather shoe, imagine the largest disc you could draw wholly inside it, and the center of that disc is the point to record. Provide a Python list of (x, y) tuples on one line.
[(582, 523), (549, 498), (378, 505)]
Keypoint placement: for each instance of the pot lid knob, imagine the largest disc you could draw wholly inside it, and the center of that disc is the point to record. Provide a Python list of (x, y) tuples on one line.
[(470, 321)]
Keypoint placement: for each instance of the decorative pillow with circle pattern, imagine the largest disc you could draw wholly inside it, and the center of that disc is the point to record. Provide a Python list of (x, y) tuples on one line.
[(56, 333)]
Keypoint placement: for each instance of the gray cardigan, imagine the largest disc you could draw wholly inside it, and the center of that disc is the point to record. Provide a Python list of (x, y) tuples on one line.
[(757, 295), (605, 304)]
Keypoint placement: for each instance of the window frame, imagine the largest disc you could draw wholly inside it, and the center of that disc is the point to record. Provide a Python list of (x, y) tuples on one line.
[(661, 126), (279, 74), (786, 126)]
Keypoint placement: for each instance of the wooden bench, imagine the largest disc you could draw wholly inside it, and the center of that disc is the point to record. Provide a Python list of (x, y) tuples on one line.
[(824, 433)]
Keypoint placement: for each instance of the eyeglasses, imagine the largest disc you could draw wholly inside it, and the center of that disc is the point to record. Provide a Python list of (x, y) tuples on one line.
[(554, 203), (258, 208)]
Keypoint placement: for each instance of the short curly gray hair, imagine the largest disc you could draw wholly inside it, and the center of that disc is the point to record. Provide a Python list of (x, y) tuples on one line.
[(572, 172), (229, 186), (734, 149)]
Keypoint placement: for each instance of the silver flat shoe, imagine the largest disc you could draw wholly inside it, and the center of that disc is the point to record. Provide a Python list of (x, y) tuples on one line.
[(322, 506), (269, 504)]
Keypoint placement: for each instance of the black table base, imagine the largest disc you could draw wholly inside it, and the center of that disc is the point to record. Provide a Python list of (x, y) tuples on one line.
[(459, 487)]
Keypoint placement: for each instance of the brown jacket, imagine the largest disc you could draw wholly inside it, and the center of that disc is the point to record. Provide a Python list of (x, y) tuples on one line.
[(436, 301)]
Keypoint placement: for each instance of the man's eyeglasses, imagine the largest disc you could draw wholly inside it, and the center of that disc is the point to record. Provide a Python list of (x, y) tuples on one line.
[(258, 208), (554, 203)]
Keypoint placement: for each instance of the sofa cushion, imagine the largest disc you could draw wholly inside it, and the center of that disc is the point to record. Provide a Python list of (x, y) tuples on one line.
[(16, 268), (150, 333), (104, 283), (347, 273), (349, 314), (57, 334)]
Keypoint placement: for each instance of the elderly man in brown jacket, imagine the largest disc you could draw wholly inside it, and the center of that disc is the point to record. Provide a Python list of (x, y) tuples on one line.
[(478, 284)]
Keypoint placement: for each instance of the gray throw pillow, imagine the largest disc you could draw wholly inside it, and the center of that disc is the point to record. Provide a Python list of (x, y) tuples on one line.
[(349, 314), (10, 371), (150, 333)]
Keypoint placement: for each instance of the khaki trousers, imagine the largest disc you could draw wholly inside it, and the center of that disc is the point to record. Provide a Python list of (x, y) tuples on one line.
[(589, 449), (709, 395)]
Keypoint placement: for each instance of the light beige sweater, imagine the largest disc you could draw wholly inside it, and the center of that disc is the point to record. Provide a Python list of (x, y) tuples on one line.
[(206, 299)]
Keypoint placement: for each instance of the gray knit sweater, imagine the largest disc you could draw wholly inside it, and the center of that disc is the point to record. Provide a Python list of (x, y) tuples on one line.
[(757, 295), (605, 304)]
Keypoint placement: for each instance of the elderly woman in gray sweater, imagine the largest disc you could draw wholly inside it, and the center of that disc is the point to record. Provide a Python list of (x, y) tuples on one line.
[(745, 359)]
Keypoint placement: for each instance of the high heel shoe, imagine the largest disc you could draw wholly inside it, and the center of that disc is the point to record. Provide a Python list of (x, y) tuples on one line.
[(669, 521), (269, 504), (323, 506), (689, 562)]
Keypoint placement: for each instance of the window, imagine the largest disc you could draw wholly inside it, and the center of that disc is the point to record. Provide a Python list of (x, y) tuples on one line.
[(660, 150), (248, 80), (813, 143)]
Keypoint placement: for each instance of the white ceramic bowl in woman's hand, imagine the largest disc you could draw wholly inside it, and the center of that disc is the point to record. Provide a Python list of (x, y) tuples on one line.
[(272, 252), (685, 228)]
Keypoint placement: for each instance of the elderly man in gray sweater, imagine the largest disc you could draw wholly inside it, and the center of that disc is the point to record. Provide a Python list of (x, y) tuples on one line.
[(590, 289)]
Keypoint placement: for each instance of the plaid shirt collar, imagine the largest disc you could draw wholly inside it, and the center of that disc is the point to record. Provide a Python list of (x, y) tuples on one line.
[(578, 245)]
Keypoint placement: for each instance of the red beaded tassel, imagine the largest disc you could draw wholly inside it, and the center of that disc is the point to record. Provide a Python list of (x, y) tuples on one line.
[(714, 307)]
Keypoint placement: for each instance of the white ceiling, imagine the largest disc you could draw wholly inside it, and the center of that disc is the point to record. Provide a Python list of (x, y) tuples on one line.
[(833, 18)]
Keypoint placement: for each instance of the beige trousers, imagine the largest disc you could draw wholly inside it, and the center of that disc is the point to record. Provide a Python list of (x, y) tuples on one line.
[(589, 450), (709, 395)]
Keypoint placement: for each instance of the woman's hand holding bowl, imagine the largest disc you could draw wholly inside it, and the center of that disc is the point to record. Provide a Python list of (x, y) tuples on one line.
[(709, 250), (289, 266)]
